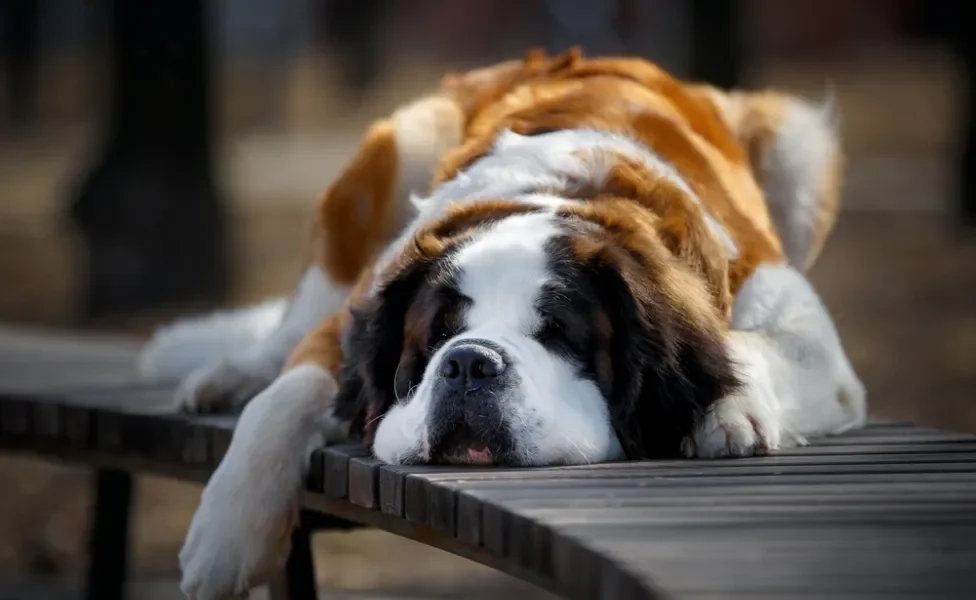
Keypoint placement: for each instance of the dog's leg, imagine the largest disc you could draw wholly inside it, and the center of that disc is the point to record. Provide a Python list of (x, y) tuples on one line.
[(362, 211), (797, 380), (231, 381), (240, 534)]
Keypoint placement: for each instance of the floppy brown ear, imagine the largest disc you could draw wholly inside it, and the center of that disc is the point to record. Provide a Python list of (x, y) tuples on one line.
[(668, 366), (663, 359), (368, 203), (680, 224)]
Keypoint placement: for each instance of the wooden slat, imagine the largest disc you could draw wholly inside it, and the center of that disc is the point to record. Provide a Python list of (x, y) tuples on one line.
[(430, 497), (364, 482), (196, 449), (468, 524), (78, 426), (15, 417), (835, 560), (336, 468), (880, 511), (393, 488)]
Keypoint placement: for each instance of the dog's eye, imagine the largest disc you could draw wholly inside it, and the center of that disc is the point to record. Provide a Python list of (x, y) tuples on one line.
[(561, 337), (438, 341), (440, 332), (552, 329)]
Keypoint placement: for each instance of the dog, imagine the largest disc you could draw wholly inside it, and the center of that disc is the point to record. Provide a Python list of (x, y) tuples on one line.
[(549, 261)]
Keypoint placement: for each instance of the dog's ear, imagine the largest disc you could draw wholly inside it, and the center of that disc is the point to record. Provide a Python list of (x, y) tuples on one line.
[(681, 224), (666, 367), (373, 350)]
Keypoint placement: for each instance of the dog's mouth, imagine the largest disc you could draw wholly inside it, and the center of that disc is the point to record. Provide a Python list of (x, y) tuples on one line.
[(462, 446), (482, 456)]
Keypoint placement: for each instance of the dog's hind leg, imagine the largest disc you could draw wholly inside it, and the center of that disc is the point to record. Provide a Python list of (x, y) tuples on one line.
[(795, 155)]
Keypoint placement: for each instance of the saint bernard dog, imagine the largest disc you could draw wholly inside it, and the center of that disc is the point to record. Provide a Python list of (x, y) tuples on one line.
[(549, 261)]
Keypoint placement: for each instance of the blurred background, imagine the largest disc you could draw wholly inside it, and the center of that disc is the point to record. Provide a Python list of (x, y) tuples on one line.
[(161, 156)]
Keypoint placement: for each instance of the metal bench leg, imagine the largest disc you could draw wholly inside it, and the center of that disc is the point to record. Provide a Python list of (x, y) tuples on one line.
[(108, 541), (297, 582)]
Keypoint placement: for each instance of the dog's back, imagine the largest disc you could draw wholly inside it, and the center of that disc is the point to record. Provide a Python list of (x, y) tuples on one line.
[(766, 165)]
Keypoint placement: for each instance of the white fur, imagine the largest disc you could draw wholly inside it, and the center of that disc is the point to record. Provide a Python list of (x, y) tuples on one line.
[(178, 349), (228, 379), (240, 533), (555, 417), (424, 130), (798, 382), (794, 180)]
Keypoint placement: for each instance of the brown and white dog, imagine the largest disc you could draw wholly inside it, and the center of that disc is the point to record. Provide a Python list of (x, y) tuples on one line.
[(549, 261)]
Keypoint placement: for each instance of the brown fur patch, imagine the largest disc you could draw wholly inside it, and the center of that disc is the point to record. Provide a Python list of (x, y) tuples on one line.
[(637, 99), (356, 215), (680, 222), (631, 239), (457, 223), (728, 191), (757, 119)]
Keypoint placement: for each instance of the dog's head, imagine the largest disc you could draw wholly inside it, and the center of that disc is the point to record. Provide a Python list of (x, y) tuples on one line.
[(544, 333)]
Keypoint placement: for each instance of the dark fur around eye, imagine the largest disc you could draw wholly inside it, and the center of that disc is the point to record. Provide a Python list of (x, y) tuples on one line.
[(373, 349), (567, 328), (391, 339), (446, 321), (558, 336)]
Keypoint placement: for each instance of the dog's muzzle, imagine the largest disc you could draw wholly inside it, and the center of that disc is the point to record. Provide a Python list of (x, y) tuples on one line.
[(466, 424)]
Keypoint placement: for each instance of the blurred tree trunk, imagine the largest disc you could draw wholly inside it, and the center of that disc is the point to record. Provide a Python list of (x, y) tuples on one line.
[(18, 31), (148, 208), (353, 29), (590, 25), (965, 47), (947, 20), (717, 50)]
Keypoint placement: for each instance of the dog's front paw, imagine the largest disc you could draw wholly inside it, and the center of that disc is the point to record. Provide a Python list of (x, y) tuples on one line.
[(240, 536), (224, 386), (746, 423)]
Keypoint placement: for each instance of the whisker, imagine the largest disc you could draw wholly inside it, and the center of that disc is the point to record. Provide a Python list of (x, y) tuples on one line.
[(373, 420), (582, 454), (396, 373)]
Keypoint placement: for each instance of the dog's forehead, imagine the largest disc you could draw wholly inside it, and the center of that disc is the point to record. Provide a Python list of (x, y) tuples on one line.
[(503, 269)]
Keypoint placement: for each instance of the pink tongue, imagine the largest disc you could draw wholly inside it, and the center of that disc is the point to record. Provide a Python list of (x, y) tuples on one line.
[(480, 457)]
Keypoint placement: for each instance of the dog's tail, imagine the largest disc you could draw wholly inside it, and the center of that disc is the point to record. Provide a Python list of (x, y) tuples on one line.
[(179, 348)]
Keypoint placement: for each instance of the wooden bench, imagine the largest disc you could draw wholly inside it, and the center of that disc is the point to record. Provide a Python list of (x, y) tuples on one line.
[(889, 510)]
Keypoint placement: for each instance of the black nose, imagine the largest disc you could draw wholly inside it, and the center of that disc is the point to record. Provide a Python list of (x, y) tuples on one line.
[(470, 366)]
